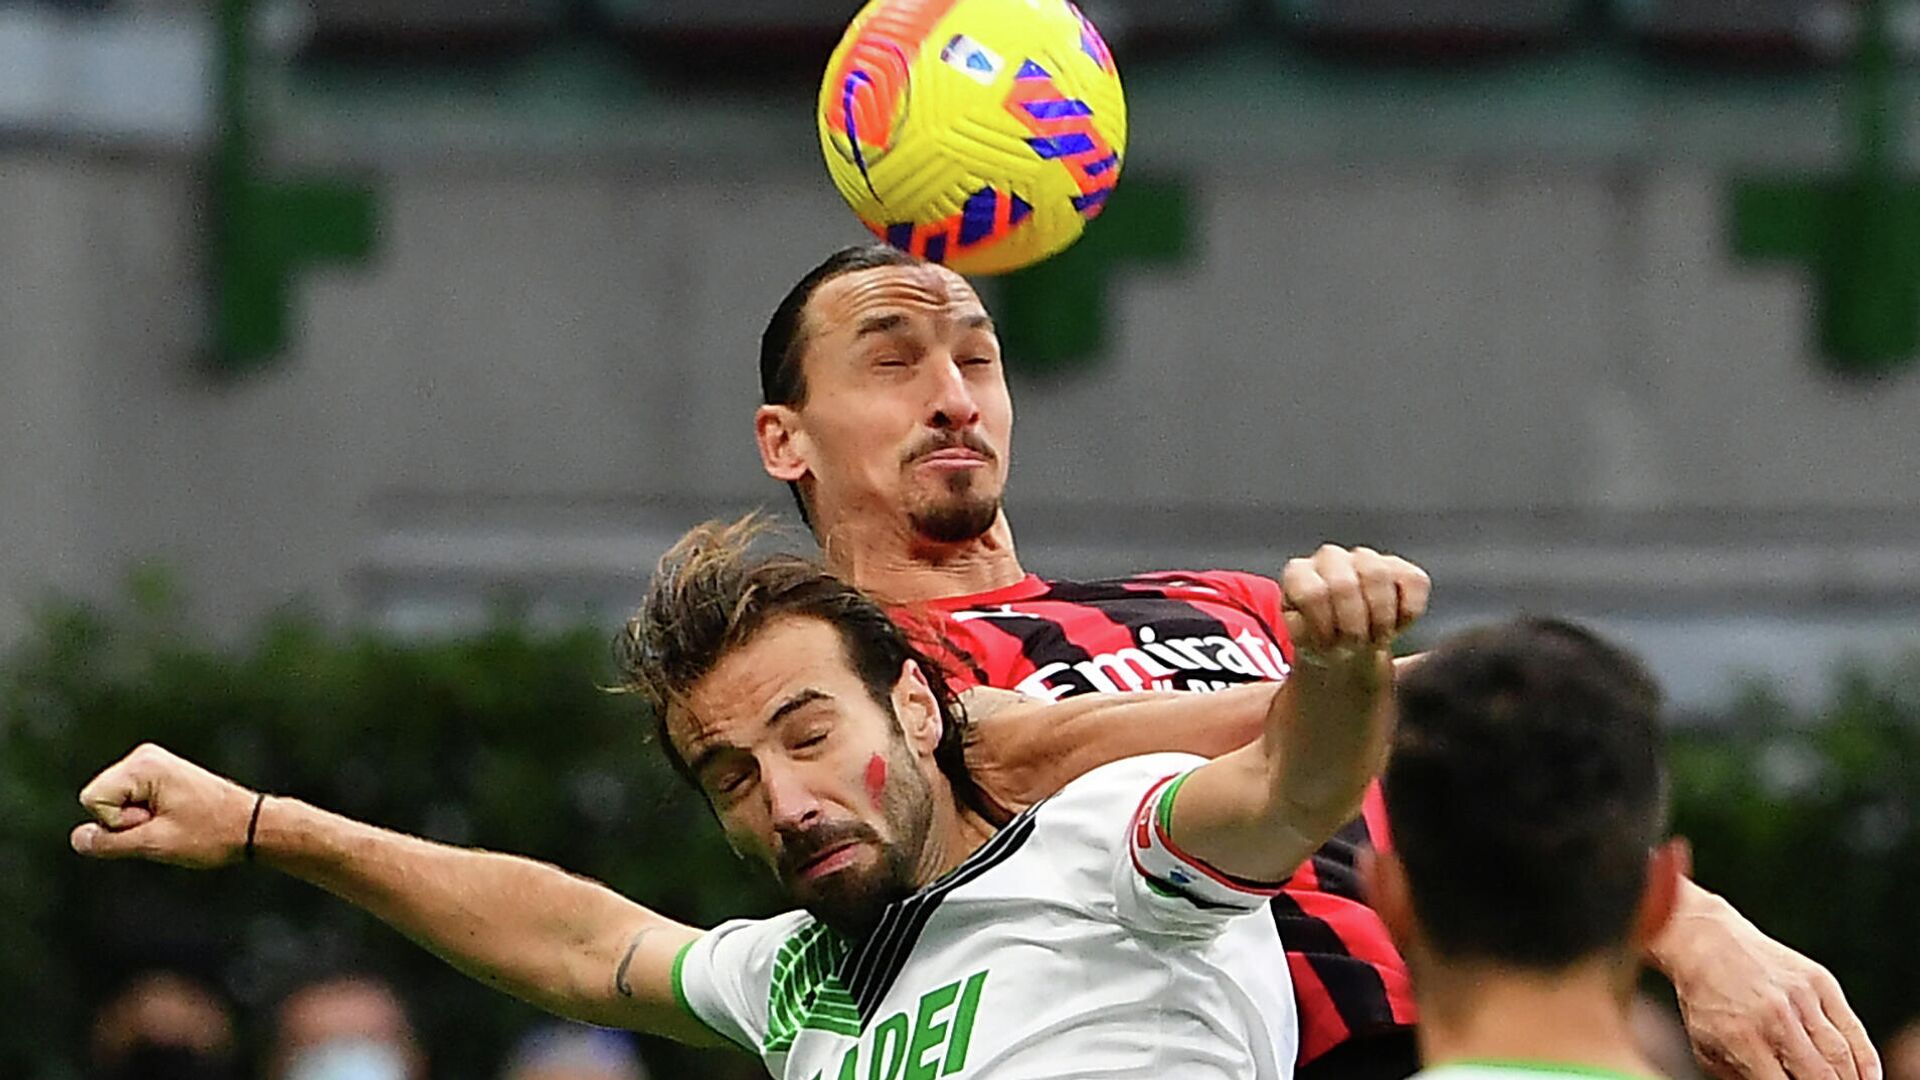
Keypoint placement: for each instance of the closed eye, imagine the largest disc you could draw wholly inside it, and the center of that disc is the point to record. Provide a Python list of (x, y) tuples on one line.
[(724, 773)]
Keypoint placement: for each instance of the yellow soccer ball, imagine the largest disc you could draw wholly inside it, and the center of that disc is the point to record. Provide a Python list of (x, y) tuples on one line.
[(982, 134)]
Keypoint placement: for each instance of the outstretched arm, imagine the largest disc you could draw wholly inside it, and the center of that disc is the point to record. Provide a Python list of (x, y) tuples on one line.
[(567, 944), (1022, 750), (1258, 811), (1754, 1008)]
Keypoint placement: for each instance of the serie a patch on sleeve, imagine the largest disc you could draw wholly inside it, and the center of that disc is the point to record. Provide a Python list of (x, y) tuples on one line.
[(1173, 872)]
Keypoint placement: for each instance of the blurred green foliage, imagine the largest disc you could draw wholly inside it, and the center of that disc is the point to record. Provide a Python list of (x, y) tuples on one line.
[(504, 738), (1809, 821)]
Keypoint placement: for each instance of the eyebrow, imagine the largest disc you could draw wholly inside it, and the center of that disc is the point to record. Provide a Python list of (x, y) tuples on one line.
[(880, 324), (797, 701), (887, 324)]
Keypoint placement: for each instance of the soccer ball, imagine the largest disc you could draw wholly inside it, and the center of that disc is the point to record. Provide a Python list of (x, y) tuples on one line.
[(982, 134)]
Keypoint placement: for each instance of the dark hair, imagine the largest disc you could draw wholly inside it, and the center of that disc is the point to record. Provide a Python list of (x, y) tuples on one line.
[(784, 342), (709, 596), (1525, 791)]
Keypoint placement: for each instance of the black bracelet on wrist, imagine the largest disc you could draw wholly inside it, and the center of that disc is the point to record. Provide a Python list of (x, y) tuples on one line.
[(253, 826)]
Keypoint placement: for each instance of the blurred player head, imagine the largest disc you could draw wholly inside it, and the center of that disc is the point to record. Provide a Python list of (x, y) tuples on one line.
[(884, 399), (574, 1052), (828, 747), (1902, 1055), (343, 1025), (1527, 801), (163, 1025)]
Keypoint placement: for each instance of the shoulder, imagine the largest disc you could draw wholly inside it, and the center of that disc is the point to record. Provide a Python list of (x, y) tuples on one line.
[(750, 947), (1131, 770), (1072, 844), (1111, 794), (729, 977)]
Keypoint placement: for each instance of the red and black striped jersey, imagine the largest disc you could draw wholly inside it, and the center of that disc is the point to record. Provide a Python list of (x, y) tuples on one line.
[(1199, 631)]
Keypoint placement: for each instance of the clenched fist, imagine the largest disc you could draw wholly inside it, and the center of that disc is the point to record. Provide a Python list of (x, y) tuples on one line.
[(1344, 601), (155, 805)]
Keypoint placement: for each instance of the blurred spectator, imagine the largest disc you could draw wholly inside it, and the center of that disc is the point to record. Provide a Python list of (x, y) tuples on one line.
[(1901, 1055), (1662, 1038), (163, 1026), (345, 1028), (574, 1052)]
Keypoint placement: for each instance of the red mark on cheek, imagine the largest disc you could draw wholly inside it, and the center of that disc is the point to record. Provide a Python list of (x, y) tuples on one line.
[(876, 777)]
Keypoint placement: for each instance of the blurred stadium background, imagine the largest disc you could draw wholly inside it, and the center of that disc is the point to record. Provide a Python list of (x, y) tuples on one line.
[(357, 357)]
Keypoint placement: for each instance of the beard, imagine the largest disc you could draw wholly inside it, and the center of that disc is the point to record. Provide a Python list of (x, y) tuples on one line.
[(957, 517), (960, 510), (851, 900)]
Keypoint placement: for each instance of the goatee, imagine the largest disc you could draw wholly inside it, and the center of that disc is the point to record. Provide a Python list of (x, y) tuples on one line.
[(956, 520)]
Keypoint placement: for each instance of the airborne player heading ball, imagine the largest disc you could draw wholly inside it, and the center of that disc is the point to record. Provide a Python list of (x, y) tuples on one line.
[(885, 407)]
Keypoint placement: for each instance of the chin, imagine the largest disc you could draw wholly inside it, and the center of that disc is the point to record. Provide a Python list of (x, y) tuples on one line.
[(852, 900), (957, 520)]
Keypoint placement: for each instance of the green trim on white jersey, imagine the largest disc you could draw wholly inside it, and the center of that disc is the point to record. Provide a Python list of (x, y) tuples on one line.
[(680, 998), (1516, 1068)]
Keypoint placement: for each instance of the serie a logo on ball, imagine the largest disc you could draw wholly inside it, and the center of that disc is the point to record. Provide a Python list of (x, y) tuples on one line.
[(983, 134)]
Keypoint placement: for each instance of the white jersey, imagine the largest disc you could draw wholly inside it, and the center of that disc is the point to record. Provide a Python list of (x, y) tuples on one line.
[(1077, 942)]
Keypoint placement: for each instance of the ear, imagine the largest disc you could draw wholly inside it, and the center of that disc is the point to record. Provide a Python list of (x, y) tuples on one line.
[(1667, 866), (1383, 879), (918, 709), (783, 442)]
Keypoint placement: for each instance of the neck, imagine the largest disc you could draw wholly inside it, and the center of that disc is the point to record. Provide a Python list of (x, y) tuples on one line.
[(956, 834), (892, 561), (1488, 1013)]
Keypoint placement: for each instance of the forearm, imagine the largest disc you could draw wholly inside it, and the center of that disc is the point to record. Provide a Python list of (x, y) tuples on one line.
[(1086, 732), (1323, 751), (1695, 910), (1754, 1007), (522, 926), (1021, 750), (1261, 810)]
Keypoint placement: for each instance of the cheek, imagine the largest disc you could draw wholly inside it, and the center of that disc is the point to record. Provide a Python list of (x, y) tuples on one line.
[(745, 838), (876, 778), (868, 443), (996, 416)]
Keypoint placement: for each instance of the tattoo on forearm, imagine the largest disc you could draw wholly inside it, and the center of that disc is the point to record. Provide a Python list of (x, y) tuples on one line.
[(620, 984)]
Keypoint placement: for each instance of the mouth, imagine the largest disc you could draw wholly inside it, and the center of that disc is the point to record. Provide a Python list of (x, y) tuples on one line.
[(832, 860), (954, 458)]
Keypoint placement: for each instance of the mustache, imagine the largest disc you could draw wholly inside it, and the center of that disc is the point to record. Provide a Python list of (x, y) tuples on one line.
[(799, 847), (949, 440)]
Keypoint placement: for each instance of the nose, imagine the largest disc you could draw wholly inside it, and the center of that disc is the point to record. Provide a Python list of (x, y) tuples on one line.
[(951, 405), (790, 802)]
